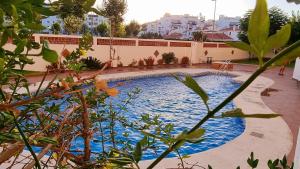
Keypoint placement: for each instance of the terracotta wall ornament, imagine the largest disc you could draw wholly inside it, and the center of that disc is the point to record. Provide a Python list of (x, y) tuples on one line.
[(156, 53), (205, 53)]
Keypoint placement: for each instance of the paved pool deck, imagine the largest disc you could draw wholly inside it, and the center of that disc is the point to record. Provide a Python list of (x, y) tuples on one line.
[(280, 135), (285, 101), (268, 138)]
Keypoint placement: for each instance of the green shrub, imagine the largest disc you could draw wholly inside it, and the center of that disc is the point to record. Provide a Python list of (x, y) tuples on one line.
[(92, 63), (168, 57), (185, 60)]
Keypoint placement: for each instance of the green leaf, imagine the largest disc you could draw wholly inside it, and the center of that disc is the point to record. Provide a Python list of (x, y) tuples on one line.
[(279, 39), (138, 152), (283, 162), (273, 164), (14, 12), (49, 55), (44, 11), (4, 137), (154, 136), (88, 4), (289, 56), (258, 29), (238, 113), (47, 140), (195, 141), (1, 17), (192, 84), (4, 37), (120, 161), (186, 156), (195, 134), (2, 63), (20, 46), (252, 161), (240, 45), (96, 11), (194, 137), (35, 26)]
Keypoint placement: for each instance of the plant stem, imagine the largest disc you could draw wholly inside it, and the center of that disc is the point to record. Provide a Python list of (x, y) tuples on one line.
[(41, 83), (86, 128), (37, 163), (112, 125), (17, 84), (229, 99), (179, 156)]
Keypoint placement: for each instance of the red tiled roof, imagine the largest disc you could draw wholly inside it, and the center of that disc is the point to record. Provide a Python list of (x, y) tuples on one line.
[(173, 36), (218, 37), (228, 29)]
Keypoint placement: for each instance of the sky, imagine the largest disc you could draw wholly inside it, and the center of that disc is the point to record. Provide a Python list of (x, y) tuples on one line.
[(151, 10)]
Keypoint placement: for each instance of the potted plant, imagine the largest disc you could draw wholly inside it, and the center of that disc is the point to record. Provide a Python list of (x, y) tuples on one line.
[(168, 58), (176, 61), (120, 65), (149, 61), (185, 61), (141, 64), (92, 63), (133, 63), (160, 62)]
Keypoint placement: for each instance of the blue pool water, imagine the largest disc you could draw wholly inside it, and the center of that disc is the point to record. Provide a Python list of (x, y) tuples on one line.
[(178, 105)]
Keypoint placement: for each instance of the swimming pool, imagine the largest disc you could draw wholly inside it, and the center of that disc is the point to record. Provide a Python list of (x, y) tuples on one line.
[(176, 104)]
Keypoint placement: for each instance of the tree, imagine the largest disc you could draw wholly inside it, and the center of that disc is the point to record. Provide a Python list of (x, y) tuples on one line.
[(151, 35), (114, 10), (295, 1), (278, 18), (132, 29), (295, 23), (199, 36), (121, 32), (73, 24), (84, 29), (76, 8), (55, 28), (102, 29)]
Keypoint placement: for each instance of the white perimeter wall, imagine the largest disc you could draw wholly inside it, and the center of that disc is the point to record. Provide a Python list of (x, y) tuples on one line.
[(129, 49)]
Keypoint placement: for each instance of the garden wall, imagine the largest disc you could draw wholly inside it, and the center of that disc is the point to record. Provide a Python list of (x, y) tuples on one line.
[(135, 49)]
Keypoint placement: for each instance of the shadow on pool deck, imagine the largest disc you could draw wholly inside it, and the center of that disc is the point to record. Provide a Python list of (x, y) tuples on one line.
[(285, 101)]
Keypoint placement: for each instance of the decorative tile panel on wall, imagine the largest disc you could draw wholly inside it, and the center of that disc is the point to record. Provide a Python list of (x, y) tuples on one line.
[(180, 44), (152, 43), (119, 42), (60, 40), (210, 45), (223, 45)]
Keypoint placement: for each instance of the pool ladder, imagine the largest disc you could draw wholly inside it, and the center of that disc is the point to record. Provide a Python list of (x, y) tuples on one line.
[(223, 67)]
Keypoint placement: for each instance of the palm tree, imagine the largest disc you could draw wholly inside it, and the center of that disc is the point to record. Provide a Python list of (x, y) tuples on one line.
[(199, 36)]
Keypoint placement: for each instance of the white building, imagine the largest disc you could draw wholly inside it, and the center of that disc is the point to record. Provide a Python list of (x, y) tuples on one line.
[(176, 24), (230, 26), (232, 32), (49, 21), (226, 22), (91, 20), (183, 26)]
